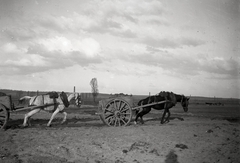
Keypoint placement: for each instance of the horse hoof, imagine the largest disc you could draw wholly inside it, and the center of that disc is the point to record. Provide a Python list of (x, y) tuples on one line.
[(63, 122), (142, 122), (24, 126), (165, 122)]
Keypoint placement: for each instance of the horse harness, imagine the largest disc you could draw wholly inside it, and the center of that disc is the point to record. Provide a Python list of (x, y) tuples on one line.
[(52, 95)]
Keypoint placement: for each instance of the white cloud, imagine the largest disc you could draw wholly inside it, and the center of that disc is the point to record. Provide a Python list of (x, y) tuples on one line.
[(57, 43), (10, 48), (28, 60), (88, 46)]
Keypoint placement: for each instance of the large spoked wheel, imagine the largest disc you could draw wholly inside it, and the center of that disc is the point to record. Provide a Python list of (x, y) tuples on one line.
[(117, 112), (4, 116)]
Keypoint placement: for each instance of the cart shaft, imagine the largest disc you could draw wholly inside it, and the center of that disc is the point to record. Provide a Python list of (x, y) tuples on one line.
[(35, 107), (155, 103)]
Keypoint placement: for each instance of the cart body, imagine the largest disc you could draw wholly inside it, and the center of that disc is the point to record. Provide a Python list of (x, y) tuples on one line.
[(118, 111), (6, 106)]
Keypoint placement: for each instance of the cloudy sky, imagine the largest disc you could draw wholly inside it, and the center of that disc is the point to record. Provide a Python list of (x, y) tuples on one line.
[(189, 47)]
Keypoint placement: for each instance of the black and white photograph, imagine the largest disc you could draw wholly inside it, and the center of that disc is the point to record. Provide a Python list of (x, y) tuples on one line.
[(119, 81)]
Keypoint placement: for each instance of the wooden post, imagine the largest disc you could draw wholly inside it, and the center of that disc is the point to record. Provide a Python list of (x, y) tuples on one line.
[(74, 89)]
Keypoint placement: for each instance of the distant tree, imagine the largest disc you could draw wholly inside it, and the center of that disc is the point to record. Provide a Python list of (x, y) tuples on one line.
[(94, 86)]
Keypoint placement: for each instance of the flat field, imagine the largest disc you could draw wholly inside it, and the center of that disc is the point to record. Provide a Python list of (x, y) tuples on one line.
[(205, 134)]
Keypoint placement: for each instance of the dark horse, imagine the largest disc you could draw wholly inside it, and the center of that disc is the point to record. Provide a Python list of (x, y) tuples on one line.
[(162, 96)]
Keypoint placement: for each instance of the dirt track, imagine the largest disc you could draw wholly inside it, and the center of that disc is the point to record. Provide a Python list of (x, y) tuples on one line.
[(186, 138)]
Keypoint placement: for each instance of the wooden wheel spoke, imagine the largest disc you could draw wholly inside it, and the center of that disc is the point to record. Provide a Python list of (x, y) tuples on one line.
[(109, 108), (119, 121), (123, 121), (125, 113), (115, 123), (116, 104), (119, 105), (124, 110), (123, 106), (109, 120), (109, 115), (113, 105), (110, 111)]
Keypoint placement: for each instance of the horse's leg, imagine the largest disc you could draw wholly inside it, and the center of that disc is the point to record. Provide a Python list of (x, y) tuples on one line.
[(143, 112), (167, 119), (28, 115), (53, 115), (164, 113), (136, 113), (28, 122), (65, 117)]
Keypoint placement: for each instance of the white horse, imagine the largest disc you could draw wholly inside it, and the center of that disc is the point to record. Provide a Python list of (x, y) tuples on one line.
[(60, 102)]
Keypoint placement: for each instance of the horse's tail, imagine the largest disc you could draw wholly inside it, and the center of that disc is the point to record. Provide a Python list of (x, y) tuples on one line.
[(23, 99), (139, 104)]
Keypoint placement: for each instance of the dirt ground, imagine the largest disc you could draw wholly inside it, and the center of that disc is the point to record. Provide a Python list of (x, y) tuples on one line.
[(203, 135)]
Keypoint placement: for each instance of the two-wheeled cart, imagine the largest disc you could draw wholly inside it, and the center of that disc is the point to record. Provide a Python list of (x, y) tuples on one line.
[(119, 111)]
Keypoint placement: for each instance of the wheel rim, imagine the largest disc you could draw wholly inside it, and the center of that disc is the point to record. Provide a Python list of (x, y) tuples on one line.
[(117, 113), (3, 117), (100, 110)]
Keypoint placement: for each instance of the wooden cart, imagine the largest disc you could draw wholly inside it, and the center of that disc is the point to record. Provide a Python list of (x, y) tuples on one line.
[(119, 111), (7, 106)]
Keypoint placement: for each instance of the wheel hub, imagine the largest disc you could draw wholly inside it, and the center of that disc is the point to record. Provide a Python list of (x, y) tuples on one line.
[(117, 114)]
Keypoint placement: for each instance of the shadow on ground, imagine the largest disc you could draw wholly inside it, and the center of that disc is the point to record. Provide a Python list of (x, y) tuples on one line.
[(73, 122), (171, 118)]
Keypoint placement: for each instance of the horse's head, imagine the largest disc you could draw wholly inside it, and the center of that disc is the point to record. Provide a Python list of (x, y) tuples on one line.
[(185, 102)]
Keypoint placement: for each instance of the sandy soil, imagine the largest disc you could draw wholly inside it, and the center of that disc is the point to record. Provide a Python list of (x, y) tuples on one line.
[(188, 137)]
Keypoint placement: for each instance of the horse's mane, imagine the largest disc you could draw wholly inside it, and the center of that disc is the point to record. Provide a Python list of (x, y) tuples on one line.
[(53, 94), (65, 99)]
